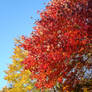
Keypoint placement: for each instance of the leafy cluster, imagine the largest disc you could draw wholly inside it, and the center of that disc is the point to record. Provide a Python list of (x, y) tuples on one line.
[(58, 54), (17, 77), (58, 49)]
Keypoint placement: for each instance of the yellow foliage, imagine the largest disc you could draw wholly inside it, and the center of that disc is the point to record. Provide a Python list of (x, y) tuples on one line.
[(85, 90), (16, 75)]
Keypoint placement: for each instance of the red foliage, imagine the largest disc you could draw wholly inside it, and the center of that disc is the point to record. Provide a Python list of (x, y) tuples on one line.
[(56, 48)]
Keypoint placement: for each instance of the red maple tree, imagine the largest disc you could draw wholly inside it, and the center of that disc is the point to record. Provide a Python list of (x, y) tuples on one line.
[(58, 47)]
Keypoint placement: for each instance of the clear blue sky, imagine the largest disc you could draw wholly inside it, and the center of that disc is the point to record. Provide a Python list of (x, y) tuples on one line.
[(14, 22)]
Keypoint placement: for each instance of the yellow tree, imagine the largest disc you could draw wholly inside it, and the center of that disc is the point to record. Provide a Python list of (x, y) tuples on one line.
[(15, 75)]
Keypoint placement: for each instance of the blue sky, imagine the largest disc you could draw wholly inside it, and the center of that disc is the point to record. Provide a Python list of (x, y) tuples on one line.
[(14, 22)]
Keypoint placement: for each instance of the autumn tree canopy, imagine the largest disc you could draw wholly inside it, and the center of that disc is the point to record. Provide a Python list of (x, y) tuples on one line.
[(60, 46), (58, 54)]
